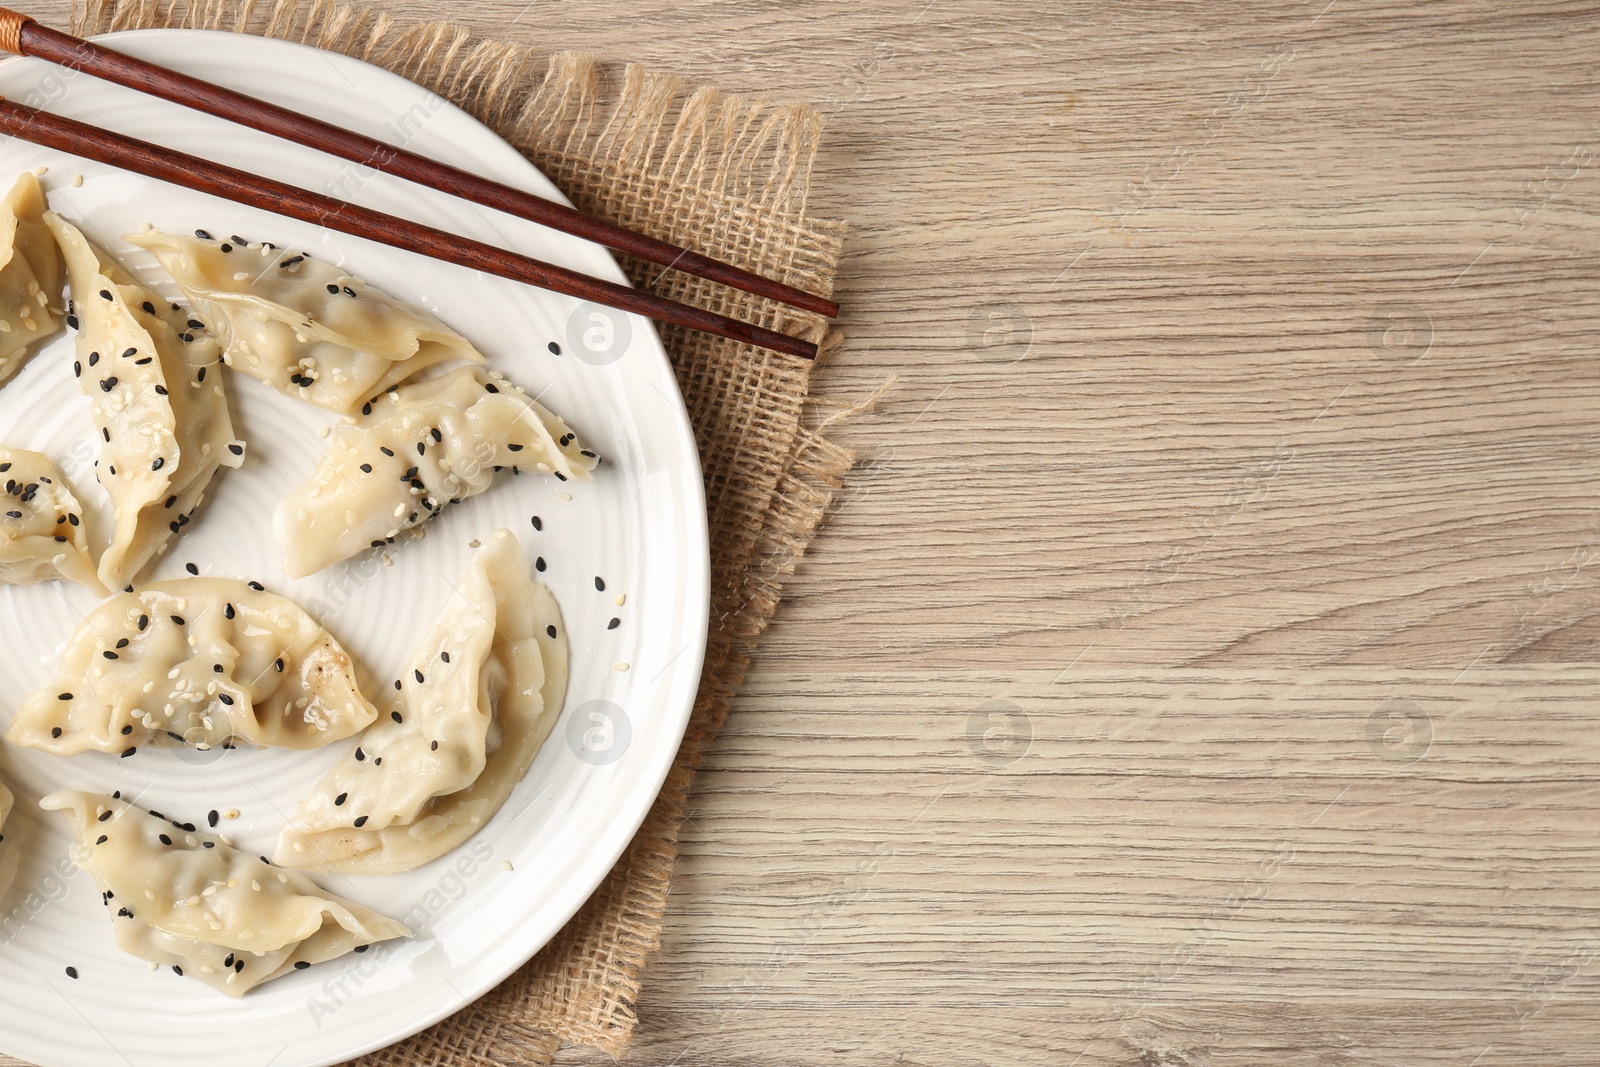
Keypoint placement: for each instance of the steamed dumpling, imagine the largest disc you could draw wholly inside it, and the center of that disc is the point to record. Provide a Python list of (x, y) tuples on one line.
[(474, 705), (31, 273), (41, 525), (163, 423), (414, 450), (301, 325), (199, 661), (185, 899)]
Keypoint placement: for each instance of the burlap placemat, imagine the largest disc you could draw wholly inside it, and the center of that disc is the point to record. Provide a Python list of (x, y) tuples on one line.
[(726, 176)]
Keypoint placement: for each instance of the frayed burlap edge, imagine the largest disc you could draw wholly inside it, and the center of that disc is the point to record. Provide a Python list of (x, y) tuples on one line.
[(729, 177)]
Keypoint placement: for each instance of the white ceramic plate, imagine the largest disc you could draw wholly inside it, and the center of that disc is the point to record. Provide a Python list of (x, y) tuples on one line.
[(639, 526)]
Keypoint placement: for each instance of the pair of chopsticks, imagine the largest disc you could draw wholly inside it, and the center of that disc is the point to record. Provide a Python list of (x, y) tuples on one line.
[(25, 37)]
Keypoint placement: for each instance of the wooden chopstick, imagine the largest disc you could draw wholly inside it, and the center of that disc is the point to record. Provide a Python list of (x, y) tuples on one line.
[(141, 157), (23, 36)]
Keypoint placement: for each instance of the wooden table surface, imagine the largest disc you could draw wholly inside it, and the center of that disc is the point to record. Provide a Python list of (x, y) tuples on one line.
[(1200, 670)]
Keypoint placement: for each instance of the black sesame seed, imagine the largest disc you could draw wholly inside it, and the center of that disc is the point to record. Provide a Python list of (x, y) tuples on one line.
[(129, 752), (161, 461), (349, 291), (539, 564), (63, 696), (419, 677), (238, 966), (437, 436), (104, 815), (161, 390), (227, 611), (102, 839), (613, 624), (257, 586), (421, 448), (226, 699), (171, 500), (445, 656), (72, 972), (126, 730), (203, 235), (367, 468), (600, 583), (77, 369), (122, 642), (216, 668), (177, 970), (538, 524), (366, 409), (555, 349), (551, 630), (211, 818), (489, 387), (362, 821), (236, 449), (55, 731), (164, 839), (559, 476), (108, 384), (279, 664), (177, 619), (108, 654), (301, 965), (192, 569), (226, 247), (396, 716), (397, 683), (129, 353), (514, 448), (72, 321), (210, 844), (385, 451), (105, 294), (94, 358), (229, 961), (360, 755), (333, 288), (434, 746)]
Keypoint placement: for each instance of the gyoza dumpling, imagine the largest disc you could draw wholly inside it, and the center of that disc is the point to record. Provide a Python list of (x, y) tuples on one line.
[(31, 273), (163, 422), (185, 899), (414, 450), (41, 525), (201, 661), (303, 326), (477, 700)]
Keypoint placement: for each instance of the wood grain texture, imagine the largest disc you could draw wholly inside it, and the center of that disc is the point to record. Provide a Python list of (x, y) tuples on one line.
[(1200, 669)]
